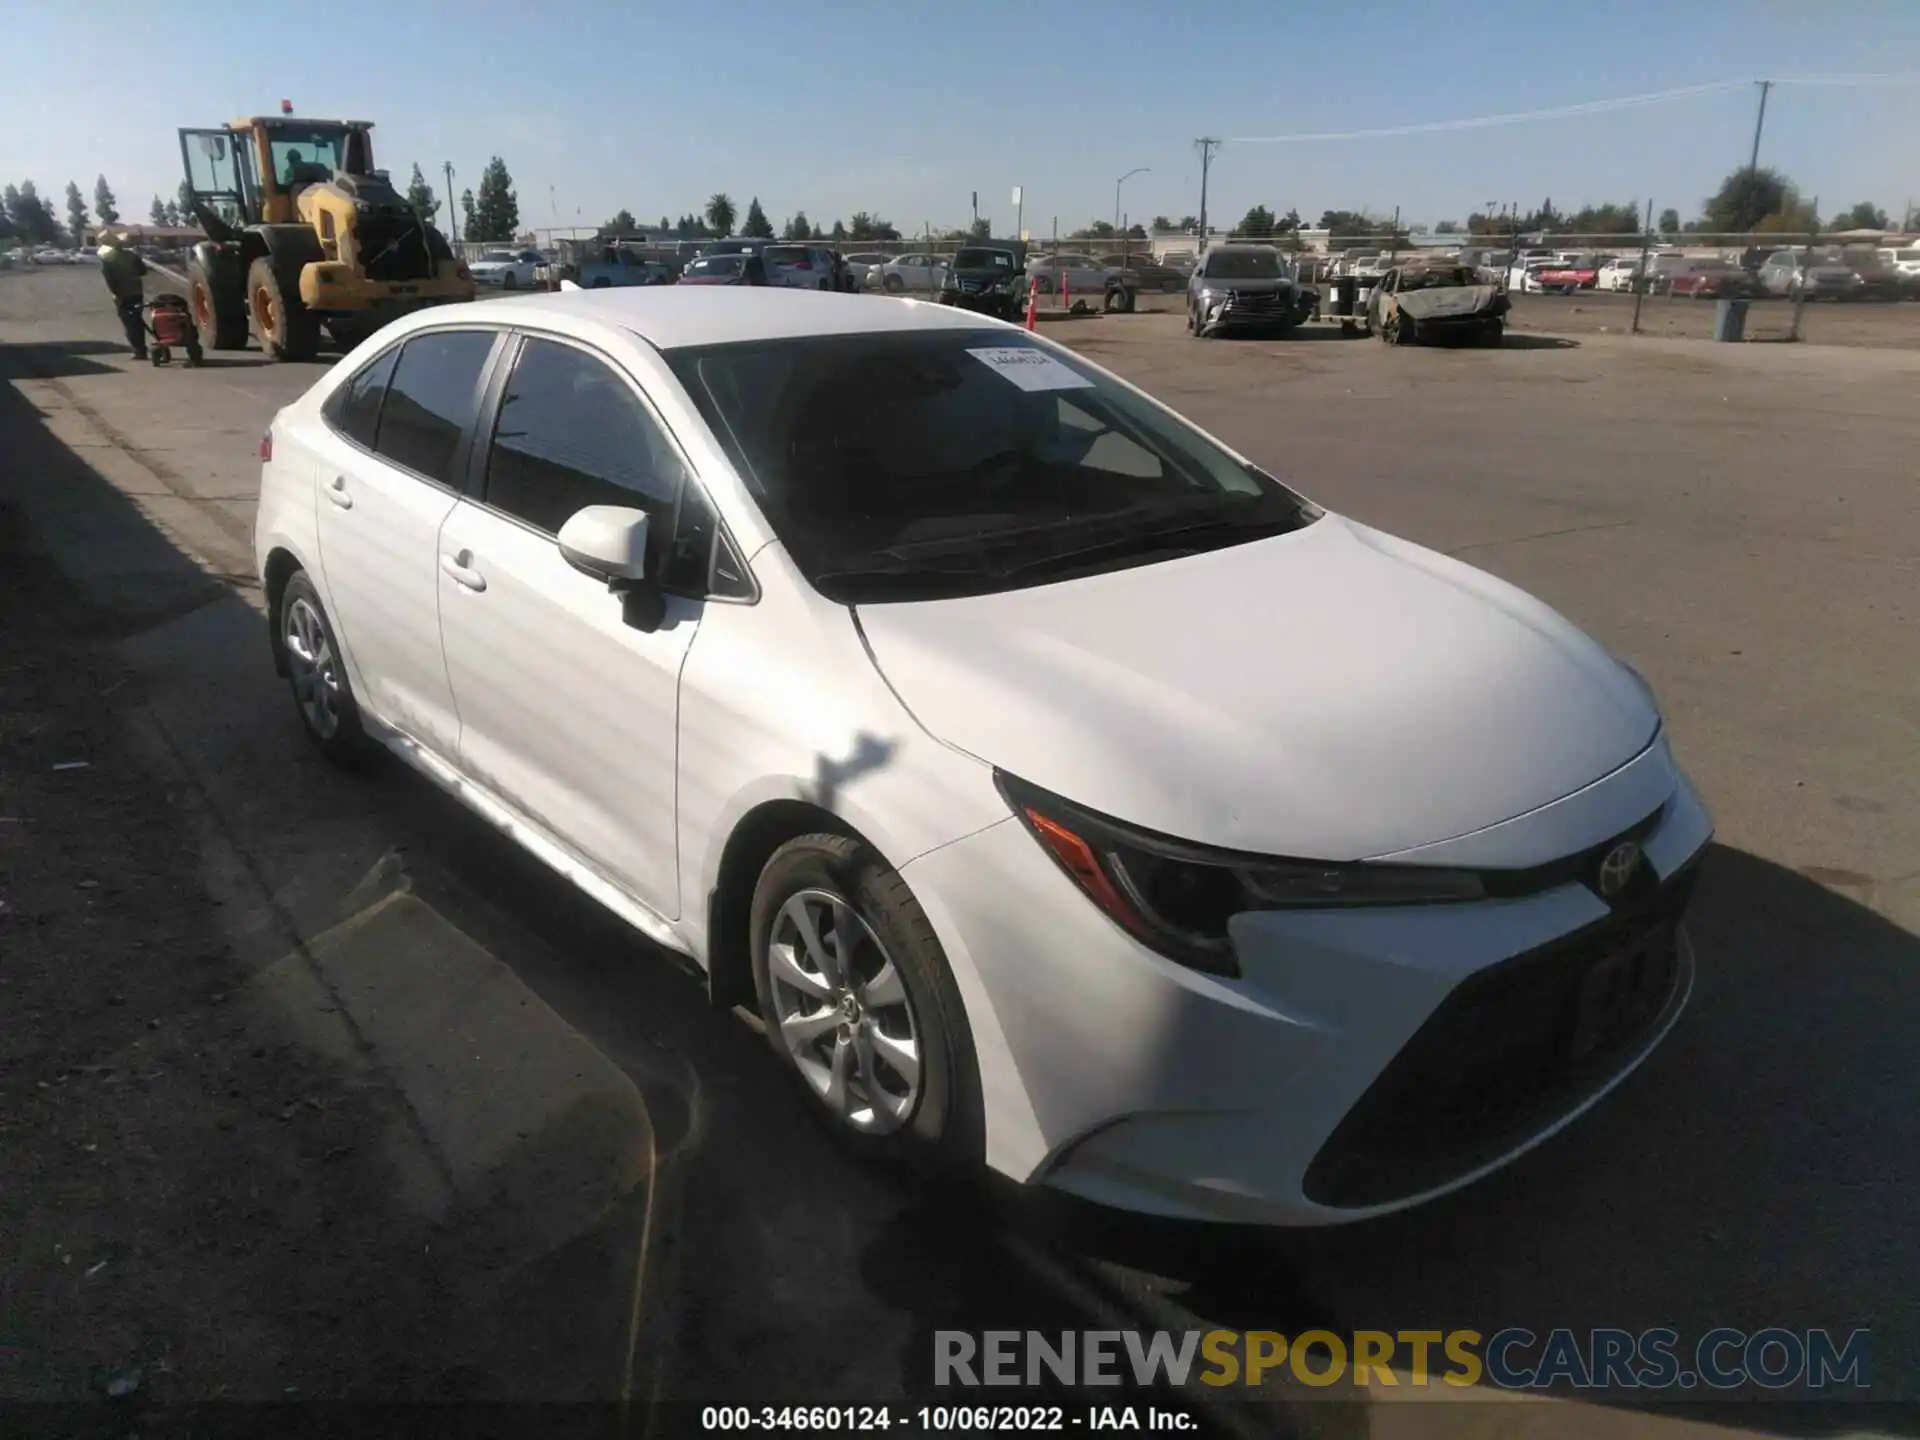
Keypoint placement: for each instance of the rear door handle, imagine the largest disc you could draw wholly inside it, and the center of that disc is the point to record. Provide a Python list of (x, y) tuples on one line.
[(337, 492), (461, 573)]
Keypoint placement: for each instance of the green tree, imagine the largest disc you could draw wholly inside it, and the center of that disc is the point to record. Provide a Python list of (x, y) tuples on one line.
[(1188, 224), (33, 218), (981, 229), (798, 228), (1136, 232), (1447, 227), (1256, 224), (871, 227), (839, 231), (666, 226), (720, 213), (420, 195), (756, 226), (1669, 221), (183, 204), (467, 209), (104, 205), (1748, 196), (1605, 220), (76, 215), (496, 211), (1160, 225), (158, 214), (621, 224), (174, 217), (1864, 216)]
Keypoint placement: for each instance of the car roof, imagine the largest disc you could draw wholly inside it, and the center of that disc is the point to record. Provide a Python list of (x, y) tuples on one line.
[(672, 318)]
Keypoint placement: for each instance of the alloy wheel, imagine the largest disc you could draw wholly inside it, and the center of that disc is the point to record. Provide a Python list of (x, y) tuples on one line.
[(845, 1018), (313, 668)]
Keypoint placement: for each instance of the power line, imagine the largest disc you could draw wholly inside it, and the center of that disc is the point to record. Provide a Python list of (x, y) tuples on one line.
[(1587, 107)]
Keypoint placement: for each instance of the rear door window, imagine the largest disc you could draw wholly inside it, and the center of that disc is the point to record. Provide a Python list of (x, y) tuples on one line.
[(432, 401), (354, 409)]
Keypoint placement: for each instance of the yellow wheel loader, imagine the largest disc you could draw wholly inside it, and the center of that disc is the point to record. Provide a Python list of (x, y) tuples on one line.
[(303, 232)]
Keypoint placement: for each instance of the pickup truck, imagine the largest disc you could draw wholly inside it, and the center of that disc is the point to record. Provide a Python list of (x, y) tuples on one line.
[(609, 266)]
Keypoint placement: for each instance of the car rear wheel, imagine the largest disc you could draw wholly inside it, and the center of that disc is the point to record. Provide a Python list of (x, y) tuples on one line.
[(322, 692), (509, 281), (861, 1007), (893, 284)]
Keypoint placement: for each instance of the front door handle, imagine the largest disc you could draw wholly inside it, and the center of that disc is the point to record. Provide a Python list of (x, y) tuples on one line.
[(459, 569), (337, 492)]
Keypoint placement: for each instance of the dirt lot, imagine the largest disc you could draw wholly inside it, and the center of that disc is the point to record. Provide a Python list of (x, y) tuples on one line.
[(378, 1108)]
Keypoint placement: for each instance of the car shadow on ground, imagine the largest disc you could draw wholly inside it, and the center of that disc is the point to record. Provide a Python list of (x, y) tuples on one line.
[(60, 359), (1757, 1171)]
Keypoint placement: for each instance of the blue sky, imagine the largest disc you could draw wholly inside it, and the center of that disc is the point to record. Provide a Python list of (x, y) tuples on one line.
[(906, 109)]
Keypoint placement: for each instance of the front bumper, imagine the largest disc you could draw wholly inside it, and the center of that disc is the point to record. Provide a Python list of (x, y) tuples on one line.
[(1003, 304), (1257, 312), (1365, 1061), (333, 288)]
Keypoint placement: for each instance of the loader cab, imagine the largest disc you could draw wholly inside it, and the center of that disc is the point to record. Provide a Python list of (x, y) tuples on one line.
[(248, 172)]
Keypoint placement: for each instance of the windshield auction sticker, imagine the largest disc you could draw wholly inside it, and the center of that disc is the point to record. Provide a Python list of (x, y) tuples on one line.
[(1030, 369)]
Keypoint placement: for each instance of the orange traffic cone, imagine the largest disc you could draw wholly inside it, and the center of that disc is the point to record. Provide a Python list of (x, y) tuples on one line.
[(1033, 301), (1066, 302)]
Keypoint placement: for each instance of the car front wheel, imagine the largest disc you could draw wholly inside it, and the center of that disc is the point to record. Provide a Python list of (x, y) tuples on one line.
[(859, 1003)]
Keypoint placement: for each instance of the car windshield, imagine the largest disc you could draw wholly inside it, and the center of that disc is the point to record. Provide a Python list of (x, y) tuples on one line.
[(1906, 257), (983, 260), (1243, 265), (717, 265), (497, 255), (1438, 278), (928, 464), (784, 254)]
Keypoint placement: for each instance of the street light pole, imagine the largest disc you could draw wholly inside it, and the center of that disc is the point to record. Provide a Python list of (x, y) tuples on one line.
[(1137, 170), (453, 211)]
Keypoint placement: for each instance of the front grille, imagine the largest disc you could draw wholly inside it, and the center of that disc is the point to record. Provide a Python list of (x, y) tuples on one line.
[(394, 247), (1505, 1055), (1257, 303)]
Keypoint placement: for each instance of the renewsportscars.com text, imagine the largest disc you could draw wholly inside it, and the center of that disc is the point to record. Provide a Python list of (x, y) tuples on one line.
[(1774, 1358)]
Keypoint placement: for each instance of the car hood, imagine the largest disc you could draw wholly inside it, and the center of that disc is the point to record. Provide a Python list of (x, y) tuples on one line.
[(1266, 285), (1333, 693), (1452, 300)]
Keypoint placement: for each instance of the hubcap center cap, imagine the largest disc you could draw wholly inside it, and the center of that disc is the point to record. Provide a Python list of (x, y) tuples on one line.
[(850, 1008)]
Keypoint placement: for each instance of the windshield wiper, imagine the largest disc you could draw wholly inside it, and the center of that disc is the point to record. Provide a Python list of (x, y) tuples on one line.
[(1190, 539)]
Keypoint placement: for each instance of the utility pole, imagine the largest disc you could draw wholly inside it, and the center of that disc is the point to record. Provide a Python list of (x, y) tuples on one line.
[(1753, 160), (1640, 275), (1208, 146), (453, 210)]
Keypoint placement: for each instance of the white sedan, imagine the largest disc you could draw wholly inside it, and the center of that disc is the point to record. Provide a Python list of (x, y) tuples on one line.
[(509, 269), (1619, 274), (947, 699)]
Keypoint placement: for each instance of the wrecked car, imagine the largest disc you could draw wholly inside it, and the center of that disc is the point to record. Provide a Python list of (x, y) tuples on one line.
[(1414, 304), (1245, 287)]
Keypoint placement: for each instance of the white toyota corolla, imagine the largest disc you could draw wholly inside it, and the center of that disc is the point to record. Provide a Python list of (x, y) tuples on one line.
[(1063, 791)]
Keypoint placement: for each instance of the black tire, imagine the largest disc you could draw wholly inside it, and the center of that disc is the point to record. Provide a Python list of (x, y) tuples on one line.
[(346, 742), (1120, 300), (943, 1132), (1492, 333), (286, 329), (892, 284), (219, 315), (601, 282), (508, 282)]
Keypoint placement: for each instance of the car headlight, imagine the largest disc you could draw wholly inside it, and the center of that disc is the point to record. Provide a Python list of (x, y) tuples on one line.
[(1178, 897), (1207, 292)]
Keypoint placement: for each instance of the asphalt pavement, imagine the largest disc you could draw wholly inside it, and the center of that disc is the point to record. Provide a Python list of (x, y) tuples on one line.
[(1739, 522)]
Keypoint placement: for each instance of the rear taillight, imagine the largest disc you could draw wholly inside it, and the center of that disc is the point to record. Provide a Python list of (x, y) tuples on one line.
[(266, 445)]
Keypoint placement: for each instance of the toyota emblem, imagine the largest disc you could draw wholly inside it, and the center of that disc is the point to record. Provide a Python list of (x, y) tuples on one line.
[(1617, 869)]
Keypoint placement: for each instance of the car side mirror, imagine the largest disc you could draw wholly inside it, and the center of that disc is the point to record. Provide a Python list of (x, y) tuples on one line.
[(609, 542)]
